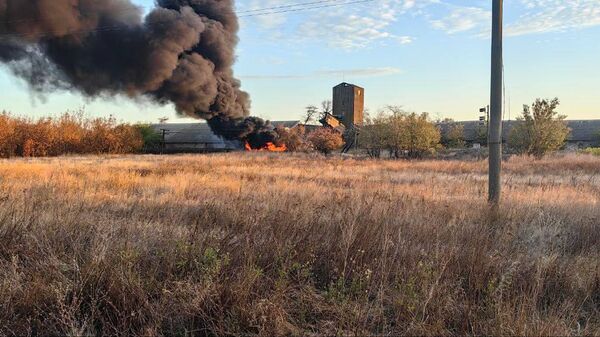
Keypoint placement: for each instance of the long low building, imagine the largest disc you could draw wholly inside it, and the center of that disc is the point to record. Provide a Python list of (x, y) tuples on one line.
[(584, 133), (199, 137)]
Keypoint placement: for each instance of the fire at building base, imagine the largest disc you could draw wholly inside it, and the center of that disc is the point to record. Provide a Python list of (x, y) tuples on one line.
[(346, 118)]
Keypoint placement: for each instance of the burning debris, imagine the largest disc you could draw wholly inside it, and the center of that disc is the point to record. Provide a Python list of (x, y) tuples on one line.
[(254, 131), (267, 147), (182, 52)]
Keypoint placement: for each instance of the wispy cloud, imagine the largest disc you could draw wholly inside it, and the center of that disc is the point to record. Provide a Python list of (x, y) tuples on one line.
[(353, 73), (272, 77), (347, 27), (360, 72), (358, 26), (535, 17), (462, 19), (543, 16), (405, 39)]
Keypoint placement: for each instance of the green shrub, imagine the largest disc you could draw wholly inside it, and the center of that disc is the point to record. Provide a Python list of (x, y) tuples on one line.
[(150, 137), (540, 130), (594, 151)]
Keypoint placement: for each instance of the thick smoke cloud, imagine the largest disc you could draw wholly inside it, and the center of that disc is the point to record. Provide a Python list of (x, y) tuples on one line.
[(182, 52)]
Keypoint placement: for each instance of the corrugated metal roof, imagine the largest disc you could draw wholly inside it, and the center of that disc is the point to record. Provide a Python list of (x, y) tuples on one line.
[(581, 130), (346, 84), (185, 134), (584, 130), (194, 133), (285, 124)]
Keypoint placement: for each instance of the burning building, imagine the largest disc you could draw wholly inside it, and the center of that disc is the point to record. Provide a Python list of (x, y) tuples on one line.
[(200, 138)]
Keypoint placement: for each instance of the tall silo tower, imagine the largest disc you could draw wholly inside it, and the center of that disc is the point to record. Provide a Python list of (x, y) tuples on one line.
[(349, 103)]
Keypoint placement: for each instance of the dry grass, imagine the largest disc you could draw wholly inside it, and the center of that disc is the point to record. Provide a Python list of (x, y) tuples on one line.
[(288, 245)]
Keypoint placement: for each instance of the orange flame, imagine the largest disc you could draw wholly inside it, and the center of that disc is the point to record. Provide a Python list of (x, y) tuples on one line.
[(274, 148), (268, 147)]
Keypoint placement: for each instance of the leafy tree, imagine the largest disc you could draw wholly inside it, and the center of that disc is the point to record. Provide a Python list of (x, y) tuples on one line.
[(410, 134), (373, 135), (325, 140), (423, 135), (454, 136), (402, 133), (540, 130)]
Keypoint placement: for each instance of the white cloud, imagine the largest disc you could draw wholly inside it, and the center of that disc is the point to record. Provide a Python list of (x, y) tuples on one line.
[(270, 21), (462, 19), (535, 17), (360, 72), (361, 25), (542, 16), (348, 27), (405, 39)]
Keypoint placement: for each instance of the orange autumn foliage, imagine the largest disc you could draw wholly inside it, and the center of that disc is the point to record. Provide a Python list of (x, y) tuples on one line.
[(70, 133)]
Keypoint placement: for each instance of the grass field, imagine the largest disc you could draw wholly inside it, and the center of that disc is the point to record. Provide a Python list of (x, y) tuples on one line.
[(276, 244)]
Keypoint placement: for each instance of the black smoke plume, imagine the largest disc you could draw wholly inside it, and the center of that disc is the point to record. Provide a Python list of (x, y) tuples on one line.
[(181, 52), (255, 131)]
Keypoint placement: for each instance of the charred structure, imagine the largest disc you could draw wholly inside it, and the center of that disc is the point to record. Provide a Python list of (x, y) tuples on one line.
[(200, 138)]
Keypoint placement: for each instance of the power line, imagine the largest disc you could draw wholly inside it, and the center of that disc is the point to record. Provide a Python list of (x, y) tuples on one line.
[(299, 6), (266, 11), (286, 6), (307, 8)]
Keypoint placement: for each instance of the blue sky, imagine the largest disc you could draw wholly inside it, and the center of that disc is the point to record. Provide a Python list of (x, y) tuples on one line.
[(426, 55)]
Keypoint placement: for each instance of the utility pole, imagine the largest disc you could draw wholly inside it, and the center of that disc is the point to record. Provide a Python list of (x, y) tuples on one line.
[(162, 143), (495, 126)]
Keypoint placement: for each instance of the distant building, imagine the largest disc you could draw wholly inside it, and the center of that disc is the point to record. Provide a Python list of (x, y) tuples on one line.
[(584, 133), (199, 137), (349, 104)]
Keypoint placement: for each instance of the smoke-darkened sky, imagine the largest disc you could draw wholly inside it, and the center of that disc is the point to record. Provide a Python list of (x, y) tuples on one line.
[(424, 55)]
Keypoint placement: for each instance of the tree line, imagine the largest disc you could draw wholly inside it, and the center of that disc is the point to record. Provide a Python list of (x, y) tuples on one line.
[(69, 133), (540, 130)]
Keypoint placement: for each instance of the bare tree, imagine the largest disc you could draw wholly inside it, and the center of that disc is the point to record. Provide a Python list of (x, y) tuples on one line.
[(326, 108), (311, 113)]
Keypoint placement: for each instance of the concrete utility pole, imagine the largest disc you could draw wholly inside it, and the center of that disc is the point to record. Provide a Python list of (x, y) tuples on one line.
[(495, 123)]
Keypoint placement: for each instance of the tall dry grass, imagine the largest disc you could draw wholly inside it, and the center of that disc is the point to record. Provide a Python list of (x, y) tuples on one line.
[(265, 244)]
